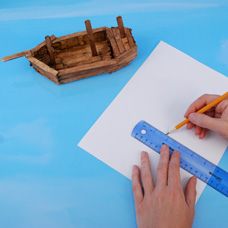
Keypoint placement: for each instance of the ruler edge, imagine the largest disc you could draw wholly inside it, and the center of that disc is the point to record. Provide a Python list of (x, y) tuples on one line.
[(141, 122)]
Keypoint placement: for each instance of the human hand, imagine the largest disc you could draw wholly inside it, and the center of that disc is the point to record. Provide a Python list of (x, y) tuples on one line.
[(215, 119), (163, 204)]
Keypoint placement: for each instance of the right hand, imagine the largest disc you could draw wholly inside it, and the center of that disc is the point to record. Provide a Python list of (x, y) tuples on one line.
[(216, 119)]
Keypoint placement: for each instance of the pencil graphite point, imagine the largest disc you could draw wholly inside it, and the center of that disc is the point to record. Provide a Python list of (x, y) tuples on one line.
[(171, 131)]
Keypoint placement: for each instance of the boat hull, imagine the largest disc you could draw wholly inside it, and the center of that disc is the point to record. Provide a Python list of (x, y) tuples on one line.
[(83, 54)]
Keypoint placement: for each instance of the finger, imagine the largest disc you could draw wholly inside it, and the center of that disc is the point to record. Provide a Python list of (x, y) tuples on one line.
[(222, 106), (174, 170), (218, 115), (197, 130), (136, 185), (210, 113), (203, 133), (214, 124), (190, 192), (190, 125), (146, 175), (162, 168), (199, 103)]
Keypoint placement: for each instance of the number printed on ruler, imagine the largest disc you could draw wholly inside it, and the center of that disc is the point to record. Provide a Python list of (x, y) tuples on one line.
[(190, 161)]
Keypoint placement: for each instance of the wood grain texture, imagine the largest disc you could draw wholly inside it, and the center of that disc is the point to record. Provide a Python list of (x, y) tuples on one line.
[(82, 54), (14, 56), (112, 41), (121, 26), (91, 37), (118, 39), (50, 50)]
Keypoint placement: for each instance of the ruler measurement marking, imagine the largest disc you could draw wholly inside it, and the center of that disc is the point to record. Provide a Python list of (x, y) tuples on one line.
[(189, 160)]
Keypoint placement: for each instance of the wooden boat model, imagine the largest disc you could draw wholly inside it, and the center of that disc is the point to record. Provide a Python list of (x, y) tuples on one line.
[(82, 54)]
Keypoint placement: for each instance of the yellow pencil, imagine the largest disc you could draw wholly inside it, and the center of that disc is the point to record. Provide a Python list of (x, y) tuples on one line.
[(202, 110)]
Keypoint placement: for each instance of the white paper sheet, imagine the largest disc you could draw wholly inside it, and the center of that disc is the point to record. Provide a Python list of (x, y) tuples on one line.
[(159, 93)]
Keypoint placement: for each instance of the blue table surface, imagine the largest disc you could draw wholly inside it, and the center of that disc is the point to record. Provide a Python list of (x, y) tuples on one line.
[(45, 179)]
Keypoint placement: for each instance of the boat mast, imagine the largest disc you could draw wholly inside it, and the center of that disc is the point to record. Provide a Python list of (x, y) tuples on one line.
[(91, 38), (50, 50), (121, 26)]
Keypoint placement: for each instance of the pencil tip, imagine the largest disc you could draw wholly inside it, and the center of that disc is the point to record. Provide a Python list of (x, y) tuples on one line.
[(171, 131)]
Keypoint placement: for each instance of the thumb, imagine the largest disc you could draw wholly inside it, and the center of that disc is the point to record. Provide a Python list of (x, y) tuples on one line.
[(190, 192), (207, 122)]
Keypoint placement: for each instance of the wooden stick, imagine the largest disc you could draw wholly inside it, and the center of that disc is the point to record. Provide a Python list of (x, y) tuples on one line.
[(89, 66), (91, 37), (39, 46), (14, 56), (43, 66), (125, 43), (116, 33), (77, 34), (130, 38), (50, 50), (113, 42), (121, 26)]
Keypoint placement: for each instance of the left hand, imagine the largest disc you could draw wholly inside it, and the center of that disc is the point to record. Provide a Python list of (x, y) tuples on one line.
[(163, 204)]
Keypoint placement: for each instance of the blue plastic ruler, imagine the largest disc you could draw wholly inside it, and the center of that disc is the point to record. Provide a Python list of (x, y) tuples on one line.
[(190, 161)]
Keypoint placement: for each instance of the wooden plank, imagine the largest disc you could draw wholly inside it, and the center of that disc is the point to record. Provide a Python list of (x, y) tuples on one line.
[(24, 53), (59, 66), (50, 50), (121, 26), (46, 74), (89, 66), (78, 56), (73, 51), (39, 46), (127, 57), (116, 33), (113, 42), (14, 56), (130, 38), (126, 43), (81, 41), (123, 60), (86, 60), (57, 60), (91, 38), (74, 77), (62, 38), (43, 66), (106, 53), (81, 50)]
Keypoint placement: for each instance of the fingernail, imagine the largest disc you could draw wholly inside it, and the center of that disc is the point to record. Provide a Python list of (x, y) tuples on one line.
[(164, 147), (143, 153), (134, 168), (176, 153), (195, 180)]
